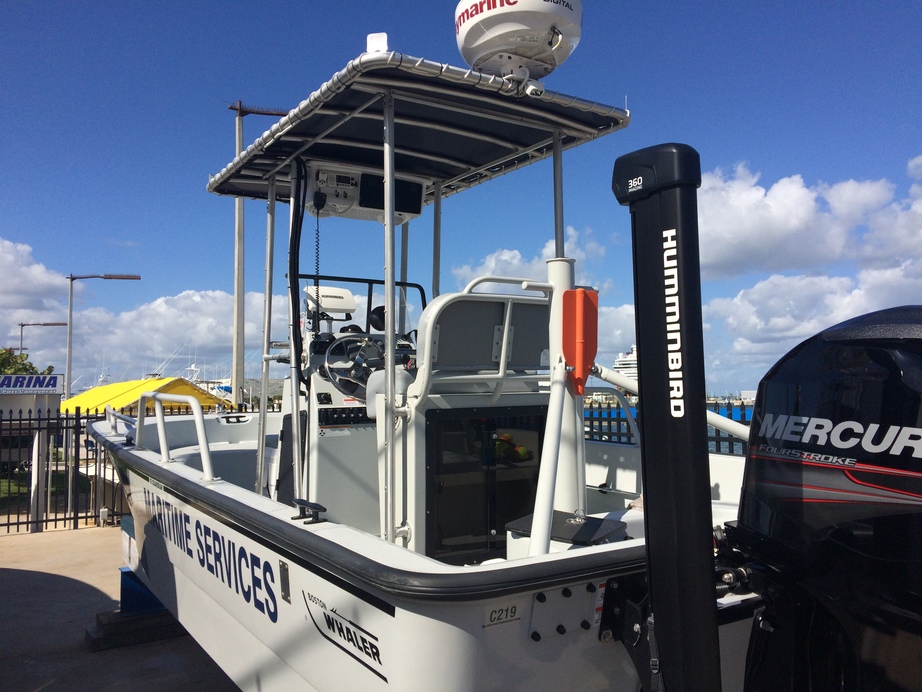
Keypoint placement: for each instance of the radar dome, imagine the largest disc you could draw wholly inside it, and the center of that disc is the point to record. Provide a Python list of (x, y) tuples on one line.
[(519, 38)]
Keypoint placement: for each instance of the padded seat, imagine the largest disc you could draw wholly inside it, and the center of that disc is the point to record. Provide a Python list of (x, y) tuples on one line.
[(480, 338)]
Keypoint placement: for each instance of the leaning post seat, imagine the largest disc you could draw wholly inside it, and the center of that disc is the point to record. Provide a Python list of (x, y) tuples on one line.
[(475, 341)]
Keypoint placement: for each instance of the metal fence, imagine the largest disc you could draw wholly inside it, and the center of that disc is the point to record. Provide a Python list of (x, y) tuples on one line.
[(51, 475), (607, 422)]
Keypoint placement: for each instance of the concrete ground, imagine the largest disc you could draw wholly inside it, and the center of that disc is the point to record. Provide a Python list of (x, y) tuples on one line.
[(52, 584)]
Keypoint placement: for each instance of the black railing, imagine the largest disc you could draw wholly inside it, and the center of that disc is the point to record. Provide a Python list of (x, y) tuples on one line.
[(51, 475), (608, 422)]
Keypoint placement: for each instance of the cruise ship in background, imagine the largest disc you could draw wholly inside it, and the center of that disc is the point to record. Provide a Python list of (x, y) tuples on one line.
[(626, 363)]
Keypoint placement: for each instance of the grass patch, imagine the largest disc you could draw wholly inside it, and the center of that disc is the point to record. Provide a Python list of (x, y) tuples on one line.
[(15, 487), (14, 491)]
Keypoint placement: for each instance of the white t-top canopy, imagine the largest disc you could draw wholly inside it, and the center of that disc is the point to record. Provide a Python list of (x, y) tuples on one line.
[(454, 127)]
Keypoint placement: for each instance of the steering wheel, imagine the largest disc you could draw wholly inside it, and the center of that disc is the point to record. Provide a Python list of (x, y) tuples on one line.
[(350, 359)]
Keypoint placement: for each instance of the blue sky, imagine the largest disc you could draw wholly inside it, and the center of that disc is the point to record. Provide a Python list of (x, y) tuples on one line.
[(115, 113)]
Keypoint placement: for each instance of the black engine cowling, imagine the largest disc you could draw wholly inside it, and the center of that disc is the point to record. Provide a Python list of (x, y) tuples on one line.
[(830, 518)]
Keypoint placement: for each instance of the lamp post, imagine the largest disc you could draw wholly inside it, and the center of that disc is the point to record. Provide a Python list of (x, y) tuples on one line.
[(36, 324), (68, 458), (70, 317)]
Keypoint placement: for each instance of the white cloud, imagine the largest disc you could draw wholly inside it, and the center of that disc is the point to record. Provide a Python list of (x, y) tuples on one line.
[(883, 287), (760, 324), (191, 327), (914, 168), (894, 232), (850, 202), (831, 252), (31, 292), (751, 331), (503, 262), (170, 334), (783, 308), (616, 332), (745, 227), (580, 246)]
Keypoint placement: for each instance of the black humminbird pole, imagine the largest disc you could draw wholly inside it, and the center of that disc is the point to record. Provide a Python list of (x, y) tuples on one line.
[(659, 184)]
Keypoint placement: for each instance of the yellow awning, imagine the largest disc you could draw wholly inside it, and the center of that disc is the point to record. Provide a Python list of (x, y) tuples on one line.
[(125, 395)]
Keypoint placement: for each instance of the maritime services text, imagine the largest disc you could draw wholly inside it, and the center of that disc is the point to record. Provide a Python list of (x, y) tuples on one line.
[(241, 570)]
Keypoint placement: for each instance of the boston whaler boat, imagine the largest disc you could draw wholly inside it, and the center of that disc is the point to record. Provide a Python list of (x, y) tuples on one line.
[(428, 523), (424, 512)]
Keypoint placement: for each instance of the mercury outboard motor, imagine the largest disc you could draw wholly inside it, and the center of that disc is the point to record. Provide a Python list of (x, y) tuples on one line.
[(830, 521)]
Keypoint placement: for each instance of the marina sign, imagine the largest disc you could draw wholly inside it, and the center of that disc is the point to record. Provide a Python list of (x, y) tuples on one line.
[(31, 384)]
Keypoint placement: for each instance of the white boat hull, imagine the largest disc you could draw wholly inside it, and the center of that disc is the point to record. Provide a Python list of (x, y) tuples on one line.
[(226, 586)]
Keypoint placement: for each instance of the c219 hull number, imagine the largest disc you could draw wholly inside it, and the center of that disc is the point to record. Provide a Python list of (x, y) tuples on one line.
[(501, 616)]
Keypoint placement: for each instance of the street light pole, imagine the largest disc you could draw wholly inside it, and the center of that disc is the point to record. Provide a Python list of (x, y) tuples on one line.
[(70, 317), (36, 324), (68, 454)]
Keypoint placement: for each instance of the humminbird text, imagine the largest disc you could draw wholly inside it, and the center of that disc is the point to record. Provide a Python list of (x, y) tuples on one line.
[(673, 325), (847, 434)]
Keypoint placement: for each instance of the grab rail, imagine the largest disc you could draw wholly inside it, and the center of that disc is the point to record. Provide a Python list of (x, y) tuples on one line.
[(731, 427), (113, 417), (197, 415), (524, 284)]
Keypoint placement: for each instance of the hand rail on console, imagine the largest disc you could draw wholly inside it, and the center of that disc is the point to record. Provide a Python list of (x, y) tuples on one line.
[(197, 414), (524, 284)]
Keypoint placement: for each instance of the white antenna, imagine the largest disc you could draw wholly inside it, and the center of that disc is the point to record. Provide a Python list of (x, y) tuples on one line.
[(376, 43), (522, 39)]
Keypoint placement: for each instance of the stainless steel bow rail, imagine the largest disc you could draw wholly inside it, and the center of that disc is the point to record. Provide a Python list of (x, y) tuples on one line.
[(198, 416)]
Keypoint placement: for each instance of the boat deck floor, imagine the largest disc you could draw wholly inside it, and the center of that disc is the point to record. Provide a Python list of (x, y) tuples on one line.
[(53, 584)]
